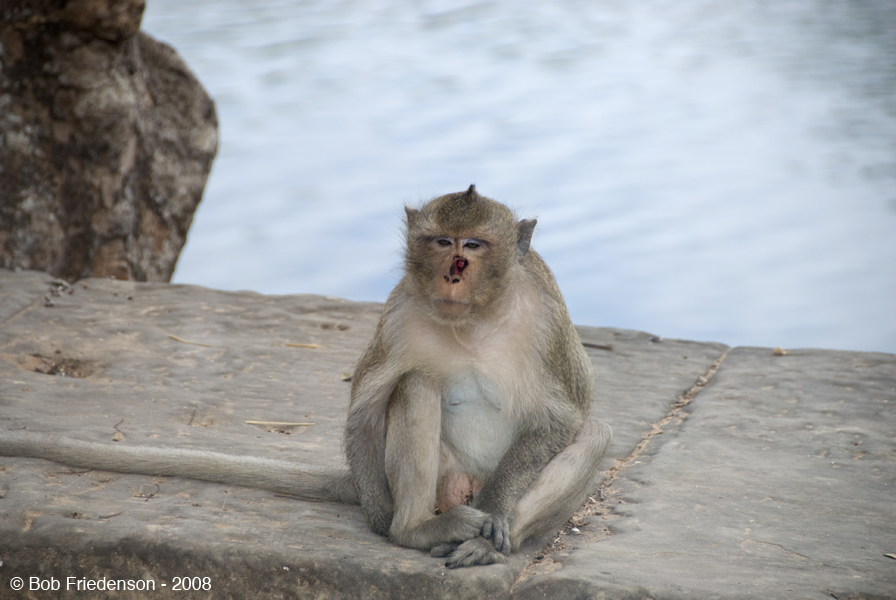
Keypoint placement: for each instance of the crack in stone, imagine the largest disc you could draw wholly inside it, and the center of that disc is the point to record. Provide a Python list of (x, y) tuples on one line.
[(595, 503), (768, 547), (674, 413), (35, 303)]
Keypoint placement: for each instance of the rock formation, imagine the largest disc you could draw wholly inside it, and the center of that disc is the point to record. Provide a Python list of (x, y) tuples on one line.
[(106, 142)]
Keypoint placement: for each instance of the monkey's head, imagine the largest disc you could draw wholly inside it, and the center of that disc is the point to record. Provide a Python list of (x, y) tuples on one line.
[(460, 249)]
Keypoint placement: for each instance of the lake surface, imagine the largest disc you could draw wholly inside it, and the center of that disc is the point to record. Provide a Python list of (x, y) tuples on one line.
[(706, 170)]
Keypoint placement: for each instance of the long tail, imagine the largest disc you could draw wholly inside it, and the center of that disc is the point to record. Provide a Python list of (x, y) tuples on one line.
[(294, 479)]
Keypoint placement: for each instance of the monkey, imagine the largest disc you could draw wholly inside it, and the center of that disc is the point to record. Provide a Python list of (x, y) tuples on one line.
[(474, 386), (468, 429)]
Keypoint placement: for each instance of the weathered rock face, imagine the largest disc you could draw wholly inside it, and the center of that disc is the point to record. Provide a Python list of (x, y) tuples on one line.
[(106, 142)]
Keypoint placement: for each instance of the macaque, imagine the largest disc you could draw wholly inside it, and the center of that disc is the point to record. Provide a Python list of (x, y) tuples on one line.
[(468, 430), (474, 395)]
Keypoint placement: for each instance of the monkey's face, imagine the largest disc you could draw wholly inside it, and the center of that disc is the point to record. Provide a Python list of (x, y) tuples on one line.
[(456, 283), (460, 250)]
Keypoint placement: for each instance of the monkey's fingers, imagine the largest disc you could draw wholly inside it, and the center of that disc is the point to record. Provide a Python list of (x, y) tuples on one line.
[(496, 529), (477, 551)]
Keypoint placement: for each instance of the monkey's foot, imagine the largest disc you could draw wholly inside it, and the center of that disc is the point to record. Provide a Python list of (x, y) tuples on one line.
[(444, 549), (477, 551)]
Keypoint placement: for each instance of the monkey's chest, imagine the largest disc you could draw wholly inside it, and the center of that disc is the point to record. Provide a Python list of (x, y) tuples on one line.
[(476, 426)]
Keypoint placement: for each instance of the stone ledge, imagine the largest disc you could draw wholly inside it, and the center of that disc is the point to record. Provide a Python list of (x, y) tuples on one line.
[(775, 481)]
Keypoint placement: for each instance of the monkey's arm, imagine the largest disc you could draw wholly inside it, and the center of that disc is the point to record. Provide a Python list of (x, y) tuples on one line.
[(514, 475), (294, 479)]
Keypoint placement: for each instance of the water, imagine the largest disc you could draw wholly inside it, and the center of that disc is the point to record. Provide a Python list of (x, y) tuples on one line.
[(707, 170)]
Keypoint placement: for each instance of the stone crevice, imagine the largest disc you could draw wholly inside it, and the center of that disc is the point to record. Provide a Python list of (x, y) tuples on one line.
[(605, 500)]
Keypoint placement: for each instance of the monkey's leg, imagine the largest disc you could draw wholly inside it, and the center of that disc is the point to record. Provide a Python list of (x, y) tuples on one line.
[(555, 494), (413, 445), (562, 486)]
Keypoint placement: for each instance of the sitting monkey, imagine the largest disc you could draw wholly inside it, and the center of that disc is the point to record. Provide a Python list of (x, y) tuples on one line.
[(475, 386)]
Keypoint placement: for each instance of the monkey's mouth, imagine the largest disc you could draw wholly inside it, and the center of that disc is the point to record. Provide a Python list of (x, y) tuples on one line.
[(451, 309), (450, 302)]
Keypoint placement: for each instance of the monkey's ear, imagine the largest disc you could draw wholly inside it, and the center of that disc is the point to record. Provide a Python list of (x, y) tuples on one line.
[(412, 214), (525, 229)]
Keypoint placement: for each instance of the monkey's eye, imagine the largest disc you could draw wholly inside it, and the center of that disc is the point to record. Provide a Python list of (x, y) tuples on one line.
[(443, 242), (474, 244)]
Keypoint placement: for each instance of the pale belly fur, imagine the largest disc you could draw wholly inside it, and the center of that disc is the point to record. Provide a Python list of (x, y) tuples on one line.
[(476, 432)]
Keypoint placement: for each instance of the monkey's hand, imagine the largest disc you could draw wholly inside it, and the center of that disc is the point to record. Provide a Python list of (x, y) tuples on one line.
[(476, 551), (496, 528)]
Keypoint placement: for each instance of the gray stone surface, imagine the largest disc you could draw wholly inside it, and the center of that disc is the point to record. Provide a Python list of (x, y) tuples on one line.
[(778, 483)]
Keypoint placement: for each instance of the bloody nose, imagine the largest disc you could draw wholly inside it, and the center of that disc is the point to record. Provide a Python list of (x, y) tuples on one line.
[(459, 265)]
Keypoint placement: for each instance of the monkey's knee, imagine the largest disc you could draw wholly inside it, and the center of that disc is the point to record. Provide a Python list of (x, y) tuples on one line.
[(596, 436)]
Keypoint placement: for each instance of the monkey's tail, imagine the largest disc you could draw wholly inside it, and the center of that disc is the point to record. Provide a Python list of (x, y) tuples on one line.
[(294, 479)]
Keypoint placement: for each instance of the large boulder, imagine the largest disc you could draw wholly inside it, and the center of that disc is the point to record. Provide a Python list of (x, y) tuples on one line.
[(106, 142)]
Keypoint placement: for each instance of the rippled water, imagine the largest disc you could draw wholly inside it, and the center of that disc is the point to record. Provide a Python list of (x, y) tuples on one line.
[(708, 170)]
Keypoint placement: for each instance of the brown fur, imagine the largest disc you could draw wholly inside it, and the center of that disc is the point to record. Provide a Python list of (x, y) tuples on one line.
[(474, 382)]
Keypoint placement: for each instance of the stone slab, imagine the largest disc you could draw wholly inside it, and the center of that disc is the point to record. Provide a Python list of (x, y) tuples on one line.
[(779, 482), (174, 365)]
